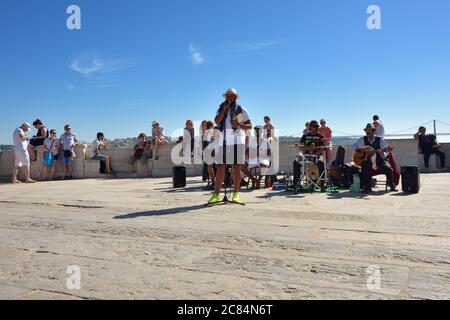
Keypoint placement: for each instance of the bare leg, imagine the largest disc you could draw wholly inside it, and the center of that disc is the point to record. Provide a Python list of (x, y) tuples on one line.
[(14, 175), (155, 150), (44, 173), (31, 152), (211, 172), (69, 170), (52, 172), (108, 165), (220, 176), (236, 177), (27, 175)]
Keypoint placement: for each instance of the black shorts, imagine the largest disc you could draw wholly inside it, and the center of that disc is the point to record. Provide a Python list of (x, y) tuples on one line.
[(232, 154), (36, 142)]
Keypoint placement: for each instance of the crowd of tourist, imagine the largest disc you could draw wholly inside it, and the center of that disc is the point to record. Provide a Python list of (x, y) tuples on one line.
[(62, 149), (255, 153)]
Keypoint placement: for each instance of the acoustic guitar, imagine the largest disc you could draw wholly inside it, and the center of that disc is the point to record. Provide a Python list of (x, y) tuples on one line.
[(364, 154), (367, 153)]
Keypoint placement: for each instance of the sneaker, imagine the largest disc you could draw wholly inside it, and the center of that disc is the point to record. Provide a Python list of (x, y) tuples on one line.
[(214, 199), (236, 198)]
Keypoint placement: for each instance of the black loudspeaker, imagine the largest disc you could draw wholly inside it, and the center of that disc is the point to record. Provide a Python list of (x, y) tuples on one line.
[(179, 177), (410, 179)]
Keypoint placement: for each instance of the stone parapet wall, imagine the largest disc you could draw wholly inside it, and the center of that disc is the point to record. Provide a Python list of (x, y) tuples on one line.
[(405, 151)]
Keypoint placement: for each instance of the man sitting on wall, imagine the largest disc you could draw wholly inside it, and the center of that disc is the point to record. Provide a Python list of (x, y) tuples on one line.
[(429, 145)]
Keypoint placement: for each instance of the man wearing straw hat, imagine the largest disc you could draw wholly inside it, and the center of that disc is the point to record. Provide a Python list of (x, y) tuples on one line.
[(233, 121), (379, 148)]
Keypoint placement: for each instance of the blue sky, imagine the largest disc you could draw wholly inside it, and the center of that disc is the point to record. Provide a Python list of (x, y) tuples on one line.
[(295, 60)]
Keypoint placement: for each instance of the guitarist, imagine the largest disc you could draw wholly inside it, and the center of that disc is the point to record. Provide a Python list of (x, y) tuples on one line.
[(373, 145)]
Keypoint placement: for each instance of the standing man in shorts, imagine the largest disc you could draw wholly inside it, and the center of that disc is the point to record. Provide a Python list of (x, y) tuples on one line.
[(22, 157), (69, 141), (233, 121)]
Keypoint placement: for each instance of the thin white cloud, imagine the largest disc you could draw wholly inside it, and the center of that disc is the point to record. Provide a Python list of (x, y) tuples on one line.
[(253, 46), (99, 71), (90, 66), (196, 55)]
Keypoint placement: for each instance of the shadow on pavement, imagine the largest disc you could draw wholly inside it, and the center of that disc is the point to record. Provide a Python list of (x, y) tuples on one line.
[(155, 213)]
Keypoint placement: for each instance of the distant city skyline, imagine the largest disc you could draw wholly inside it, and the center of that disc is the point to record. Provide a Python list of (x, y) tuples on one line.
[(138, 61)]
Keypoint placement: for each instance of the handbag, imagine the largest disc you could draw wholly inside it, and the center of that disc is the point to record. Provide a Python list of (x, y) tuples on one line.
[(49, 158), (68, 154)]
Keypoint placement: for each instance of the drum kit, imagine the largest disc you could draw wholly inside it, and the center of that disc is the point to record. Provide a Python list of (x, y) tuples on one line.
[(311, 178)]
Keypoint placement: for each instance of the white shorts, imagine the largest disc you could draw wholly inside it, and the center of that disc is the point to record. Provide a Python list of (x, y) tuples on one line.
[(22, 158)]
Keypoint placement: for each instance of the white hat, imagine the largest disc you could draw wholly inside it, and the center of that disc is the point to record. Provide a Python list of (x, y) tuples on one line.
[(154, 123), (232, 91), (26, 124)]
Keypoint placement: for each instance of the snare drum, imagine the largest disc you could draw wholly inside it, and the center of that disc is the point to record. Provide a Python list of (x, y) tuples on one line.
[(312, 158)]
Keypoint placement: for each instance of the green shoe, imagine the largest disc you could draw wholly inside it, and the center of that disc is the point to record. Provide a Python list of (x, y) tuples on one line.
[(214, 199), (236, 198)]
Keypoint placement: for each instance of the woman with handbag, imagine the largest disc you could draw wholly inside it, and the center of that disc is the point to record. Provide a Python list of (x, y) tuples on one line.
[(51, 146)]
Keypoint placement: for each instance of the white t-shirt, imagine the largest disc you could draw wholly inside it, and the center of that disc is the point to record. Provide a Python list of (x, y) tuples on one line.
[(52, 145), (18, 143), (96, 144), (234, 137), (380, 130), (208, 135)]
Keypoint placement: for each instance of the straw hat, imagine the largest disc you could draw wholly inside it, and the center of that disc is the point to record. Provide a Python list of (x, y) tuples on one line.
[(231, 91)]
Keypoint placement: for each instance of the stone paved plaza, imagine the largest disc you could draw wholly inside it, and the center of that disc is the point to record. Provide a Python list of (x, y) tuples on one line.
[(140, 239)]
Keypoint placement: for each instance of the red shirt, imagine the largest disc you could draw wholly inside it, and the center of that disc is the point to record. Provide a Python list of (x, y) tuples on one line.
[(326, 132)]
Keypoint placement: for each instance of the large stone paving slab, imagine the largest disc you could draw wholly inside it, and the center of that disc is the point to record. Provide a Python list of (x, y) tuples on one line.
[(140, 239)]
